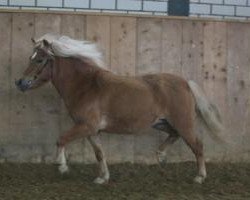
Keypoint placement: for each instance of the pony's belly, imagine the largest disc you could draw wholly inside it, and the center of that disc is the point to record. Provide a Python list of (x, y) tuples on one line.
[(129, 126), (127, 130)]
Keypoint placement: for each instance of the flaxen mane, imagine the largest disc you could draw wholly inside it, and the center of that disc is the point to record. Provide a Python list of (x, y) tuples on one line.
[(65, 46)]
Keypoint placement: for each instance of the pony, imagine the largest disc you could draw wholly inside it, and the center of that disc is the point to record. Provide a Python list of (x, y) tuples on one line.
[(100, 101)]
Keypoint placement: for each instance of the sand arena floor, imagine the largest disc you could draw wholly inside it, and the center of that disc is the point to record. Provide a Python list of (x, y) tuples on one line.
[(173, 181)]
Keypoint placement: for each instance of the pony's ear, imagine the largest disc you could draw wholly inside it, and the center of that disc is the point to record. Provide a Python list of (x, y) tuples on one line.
[(33, 40), (46, 43), (47, 47)]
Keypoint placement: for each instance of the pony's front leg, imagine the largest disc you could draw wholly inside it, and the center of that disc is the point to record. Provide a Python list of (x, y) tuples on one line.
[(61, 160), (78, 131), (100, 157)]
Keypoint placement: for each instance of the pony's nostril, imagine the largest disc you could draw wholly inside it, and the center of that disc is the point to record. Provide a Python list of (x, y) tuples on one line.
[(23, 84)]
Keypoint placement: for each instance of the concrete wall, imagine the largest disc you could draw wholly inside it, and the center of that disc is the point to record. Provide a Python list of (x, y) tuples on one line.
[(213, 53)]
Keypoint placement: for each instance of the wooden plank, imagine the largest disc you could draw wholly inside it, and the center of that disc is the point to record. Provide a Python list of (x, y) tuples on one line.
[(215, 78), (46, 101), (238, 88), (98, 31), (21, 116), (148, 61), (149, 46), (25, 119), (47, 24), (192, 50), (171, 46), (74, 26), (5, 72), (172, 63), (246, 155), (192, 61), (123, 58), (123, 45)]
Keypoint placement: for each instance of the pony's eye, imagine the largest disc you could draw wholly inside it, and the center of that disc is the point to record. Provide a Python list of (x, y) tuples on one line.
[(39, 61)]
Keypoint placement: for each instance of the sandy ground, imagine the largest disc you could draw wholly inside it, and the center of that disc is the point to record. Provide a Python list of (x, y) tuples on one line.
[(172, 181)]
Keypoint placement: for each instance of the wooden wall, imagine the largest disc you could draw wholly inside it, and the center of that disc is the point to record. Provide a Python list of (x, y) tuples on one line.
[(213, 53)]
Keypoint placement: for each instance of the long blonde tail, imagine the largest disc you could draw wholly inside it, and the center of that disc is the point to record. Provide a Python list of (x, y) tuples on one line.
[(208, 112)]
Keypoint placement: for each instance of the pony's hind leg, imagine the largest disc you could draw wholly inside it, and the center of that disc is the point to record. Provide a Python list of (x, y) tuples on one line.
[(100, 157), (191, 140), (161, 152), (163, 125), (61, 160), (197, 147)]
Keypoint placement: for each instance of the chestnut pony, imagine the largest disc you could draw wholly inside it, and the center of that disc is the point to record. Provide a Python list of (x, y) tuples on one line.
[(101, 101)]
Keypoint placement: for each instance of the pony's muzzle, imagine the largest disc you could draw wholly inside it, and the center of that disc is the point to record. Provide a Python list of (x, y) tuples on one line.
[(23, 84)]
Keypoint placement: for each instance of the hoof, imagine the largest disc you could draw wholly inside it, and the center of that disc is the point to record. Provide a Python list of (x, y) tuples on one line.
[(161, 156), (58, 161), (100, 180), (63, 169), (199, 179)]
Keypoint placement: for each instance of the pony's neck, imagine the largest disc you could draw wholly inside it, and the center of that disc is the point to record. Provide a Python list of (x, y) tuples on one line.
[(73, 78)]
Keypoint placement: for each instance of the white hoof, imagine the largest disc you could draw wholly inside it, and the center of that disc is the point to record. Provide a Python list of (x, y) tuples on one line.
[(199, 179), (63, 169), (58, 161), (161, 156), (100, 180)]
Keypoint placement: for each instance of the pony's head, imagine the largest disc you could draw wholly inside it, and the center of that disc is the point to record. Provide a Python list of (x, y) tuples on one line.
[(40, 66), (45, 50)]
